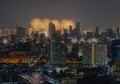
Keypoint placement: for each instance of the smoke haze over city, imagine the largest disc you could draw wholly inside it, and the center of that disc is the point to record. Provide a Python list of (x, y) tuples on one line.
[(42, 25)]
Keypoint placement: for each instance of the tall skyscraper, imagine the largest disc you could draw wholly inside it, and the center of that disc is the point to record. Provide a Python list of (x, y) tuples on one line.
[(117, 32), (96, 32), (115, 51), (78, 28), (115, 47), (51, 29), (70, 31)]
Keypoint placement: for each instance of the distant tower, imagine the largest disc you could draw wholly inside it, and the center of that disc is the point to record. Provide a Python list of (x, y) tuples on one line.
[(97, 29), (70, 30), (77, 30), (20, 31), (78, 27), (97, 32), (51, 29), (117, 32)]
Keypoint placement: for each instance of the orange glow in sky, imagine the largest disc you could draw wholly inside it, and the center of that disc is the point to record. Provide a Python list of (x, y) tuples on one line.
[(42, 25)]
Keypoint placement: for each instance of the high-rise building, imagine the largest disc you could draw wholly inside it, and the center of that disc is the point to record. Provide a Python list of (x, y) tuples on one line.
[(78, 27), (77, 30), (100, 52), (65, 38), (96, 32), (94, 54), (70, 31), (20, 31), (42, 37), (56, 52), (6, 31), (57, 35), (51, 29), (117, 32), (86, 49), (115, 49)]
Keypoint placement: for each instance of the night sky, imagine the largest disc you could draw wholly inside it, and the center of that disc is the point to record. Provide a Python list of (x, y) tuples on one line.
[(90, 13)]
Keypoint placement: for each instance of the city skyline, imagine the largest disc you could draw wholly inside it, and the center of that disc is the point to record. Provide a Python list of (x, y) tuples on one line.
[(102, 13)]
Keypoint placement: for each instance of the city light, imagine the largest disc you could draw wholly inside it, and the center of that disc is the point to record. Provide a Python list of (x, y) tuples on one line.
[(41, 25), (59, 42), (74, 40)]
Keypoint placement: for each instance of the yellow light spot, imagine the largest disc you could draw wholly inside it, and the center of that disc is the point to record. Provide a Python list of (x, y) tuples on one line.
[(42, 25)]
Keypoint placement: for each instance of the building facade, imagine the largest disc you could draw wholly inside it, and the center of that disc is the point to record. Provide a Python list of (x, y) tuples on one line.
[(100, 54), (94, 54), (6, 31)]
